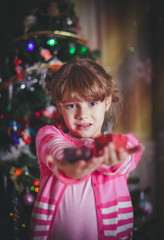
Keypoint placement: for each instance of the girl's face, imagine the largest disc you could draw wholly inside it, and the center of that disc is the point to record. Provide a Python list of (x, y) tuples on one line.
[(85, 119)]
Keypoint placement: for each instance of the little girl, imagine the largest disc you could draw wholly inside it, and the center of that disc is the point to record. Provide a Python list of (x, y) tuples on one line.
[(84, 200)]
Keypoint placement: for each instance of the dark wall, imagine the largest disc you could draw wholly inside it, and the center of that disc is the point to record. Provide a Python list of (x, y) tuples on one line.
[(10, 22), (158, 106)]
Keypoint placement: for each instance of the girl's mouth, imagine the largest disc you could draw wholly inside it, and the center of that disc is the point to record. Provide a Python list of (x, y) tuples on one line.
[(83, 126)]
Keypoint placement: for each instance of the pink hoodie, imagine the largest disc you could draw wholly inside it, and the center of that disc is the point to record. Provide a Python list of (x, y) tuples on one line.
[(112, 200)]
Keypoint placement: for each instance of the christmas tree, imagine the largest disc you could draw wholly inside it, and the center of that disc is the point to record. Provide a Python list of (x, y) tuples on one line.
[(50, 36)]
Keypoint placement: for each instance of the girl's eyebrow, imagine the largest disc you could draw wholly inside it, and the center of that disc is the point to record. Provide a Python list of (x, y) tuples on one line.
[(67, 103), (73, 101)]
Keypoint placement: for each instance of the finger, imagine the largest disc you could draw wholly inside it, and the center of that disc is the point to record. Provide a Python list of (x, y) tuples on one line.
[(97, 159), (113, 153), (107, 154), (81, 164), (100, 153), (122, 154)]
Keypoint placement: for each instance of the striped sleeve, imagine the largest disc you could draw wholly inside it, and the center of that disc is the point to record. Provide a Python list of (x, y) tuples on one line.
[(41, 218), (128, 164), (52, 141)]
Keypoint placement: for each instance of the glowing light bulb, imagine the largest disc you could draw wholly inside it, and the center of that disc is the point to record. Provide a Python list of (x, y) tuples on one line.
[(36, 189), (18, 172), (69, 21), (72, 50), (32, 188), (52, 42), (26, 172), (22, 86), (36, 183), (83, 49), (30, 46)]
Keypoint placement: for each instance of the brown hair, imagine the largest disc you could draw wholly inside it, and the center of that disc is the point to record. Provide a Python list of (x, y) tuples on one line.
[(84, 78)]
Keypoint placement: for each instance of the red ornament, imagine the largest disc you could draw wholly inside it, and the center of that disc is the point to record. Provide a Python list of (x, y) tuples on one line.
[(119, 141), (45, 53), (37, 114), (49, 111), (16, 62), (19, 76), (26, 136), (26, 139)]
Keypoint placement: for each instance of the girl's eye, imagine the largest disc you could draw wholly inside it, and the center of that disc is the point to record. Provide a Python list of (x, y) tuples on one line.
[(93, 103), (71, 105)]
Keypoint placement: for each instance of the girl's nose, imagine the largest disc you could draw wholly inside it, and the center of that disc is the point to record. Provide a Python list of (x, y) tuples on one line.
[(82, 113)]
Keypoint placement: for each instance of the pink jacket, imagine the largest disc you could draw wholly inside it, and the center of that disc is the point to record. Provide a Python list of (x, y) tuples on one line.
[(113, 203)]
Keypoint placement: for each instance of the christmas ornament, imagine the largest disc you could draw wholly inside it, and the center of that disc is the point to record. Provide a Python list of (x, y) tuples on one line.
[(49, 111), (119, 141), (18, 68), (37, 114), (76, 153), (45, 53), (28, 199), (14, 132), (26, 136)]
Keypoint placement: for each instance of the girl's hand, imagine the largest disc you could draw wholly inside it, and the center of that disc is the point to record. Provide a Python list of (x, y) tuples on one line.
[(78, 169), (83, 168), (113, 157)]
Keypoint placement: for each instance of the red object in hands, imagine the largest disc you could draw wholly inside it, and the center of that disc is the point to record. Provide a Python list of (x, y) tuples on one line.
[(118, 139), (74, 154)]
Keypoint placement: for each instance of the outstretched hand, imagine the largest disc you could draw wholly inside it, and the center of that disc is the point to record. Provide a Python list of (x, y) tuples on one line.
[(108, 155), (78, 169), (113, 157)]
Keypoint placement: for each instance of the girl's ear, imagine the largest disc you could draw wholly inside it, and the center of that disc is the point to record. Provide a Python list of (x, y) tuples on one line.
[(108, 101)]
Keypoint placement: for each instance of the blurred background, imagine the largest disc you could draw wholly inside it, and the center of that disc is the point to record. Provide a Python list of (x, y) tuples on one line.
[(126, 38)]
